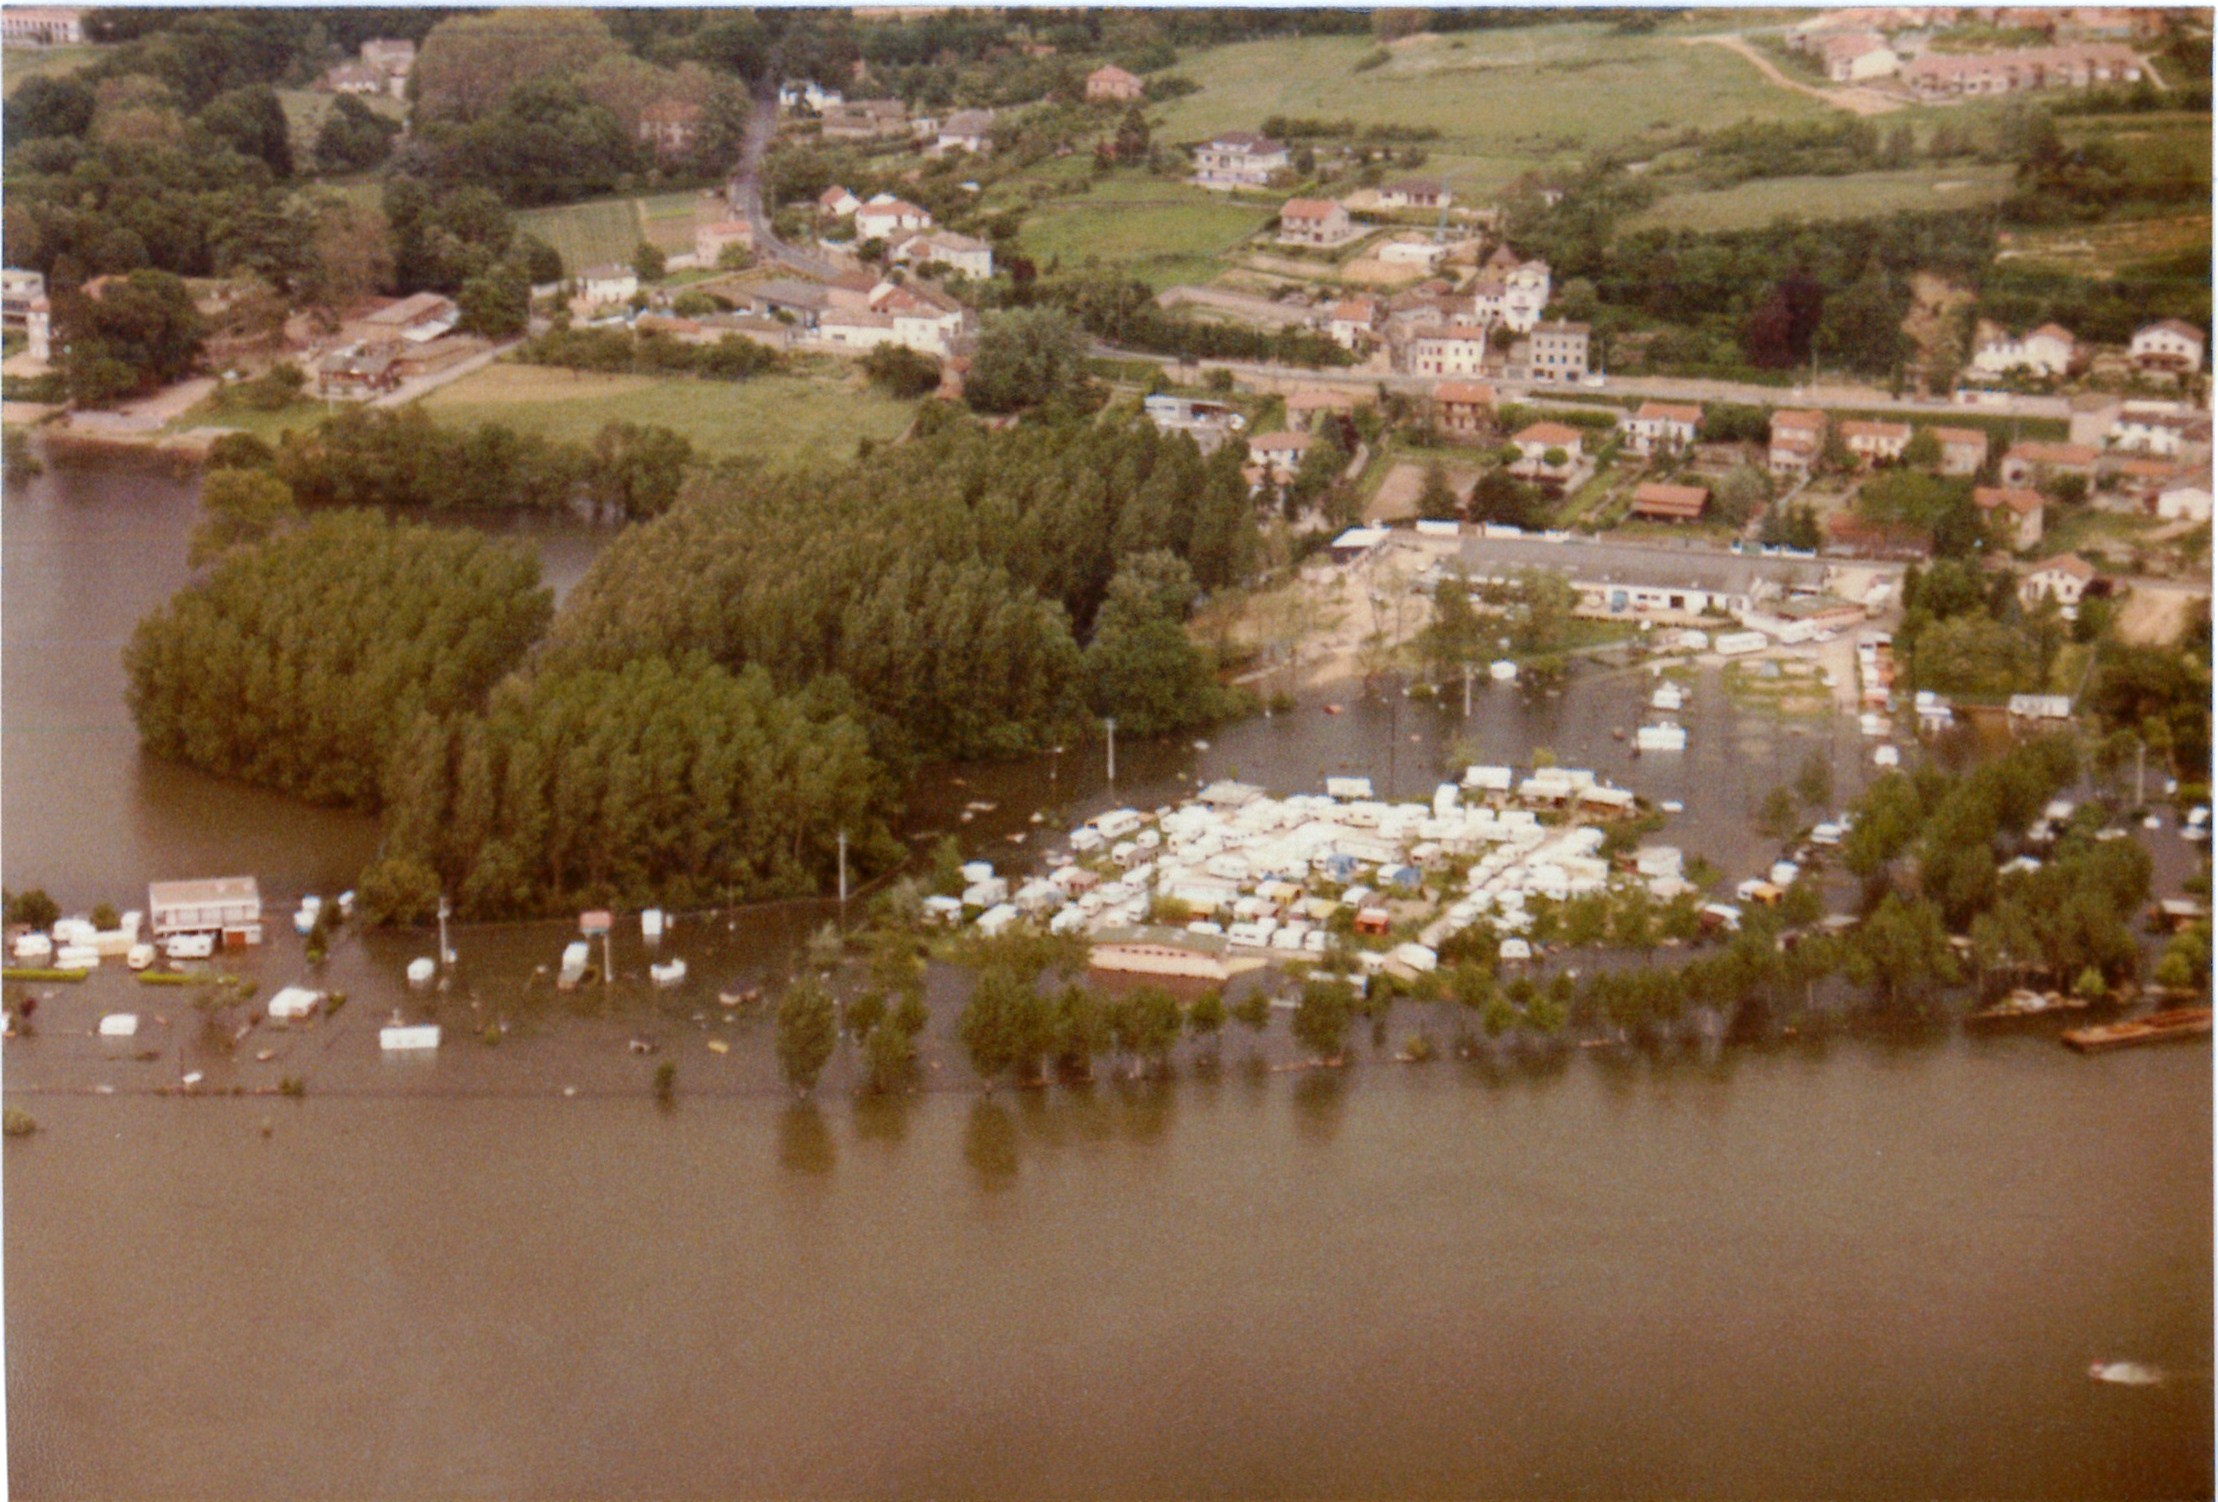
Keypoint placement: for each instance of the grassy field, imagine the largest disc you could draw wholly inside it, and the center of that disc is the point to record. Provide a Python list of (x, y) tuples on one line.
[(1753, 205), (1504, 101), (267, 426), (784, 421), (610, 229), (2102, 250), (306, 110), (1159, 231), (20, 63)]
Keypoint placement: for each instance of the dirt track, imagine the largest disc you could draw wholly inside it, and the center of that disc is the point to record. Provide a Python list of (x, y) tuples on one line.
[(1855, 101)]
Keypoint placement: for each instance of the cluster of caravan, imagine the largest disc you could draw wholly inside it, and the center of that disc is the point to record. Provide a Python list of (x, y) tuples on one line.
[(1264, 874)]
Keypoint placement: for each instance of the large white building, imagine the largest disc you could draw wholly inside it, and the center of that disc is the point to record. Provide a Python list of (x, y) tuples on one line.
[(2046, 351), (228, 906), (2168, 344), (1239, 159)]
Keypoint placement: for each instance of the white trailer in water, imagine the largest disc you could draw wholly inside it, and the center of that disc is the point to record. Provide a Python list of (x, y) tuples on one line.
[(405, 1038), (293, 1003)]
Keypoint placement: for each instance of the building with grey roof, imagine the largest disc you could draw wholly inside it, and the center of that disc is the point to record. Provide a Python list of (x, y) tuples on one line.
[(1628, 580)]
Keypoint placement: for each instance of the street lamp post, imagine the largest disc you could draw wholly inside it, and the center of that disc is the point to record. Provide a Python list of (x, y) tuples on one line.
[(1111, 722)]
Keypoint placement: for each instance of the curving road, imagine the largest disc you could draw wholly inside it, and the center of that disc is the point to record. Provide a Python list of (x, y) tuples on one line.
[(745, 192)]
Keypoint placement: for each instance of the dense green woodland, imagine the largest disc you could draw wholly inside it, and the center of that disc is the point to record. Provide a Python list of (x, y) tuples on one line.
[(949, 581), (731, 686), (298, 662), (672, 781)]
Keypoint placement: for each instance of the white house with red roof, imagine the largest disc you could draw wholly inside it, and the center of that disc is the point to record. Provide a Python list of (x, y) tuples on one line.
[(1455, 349), (1537, 442), (2048, 350), (882, 220), (1314, 221), (1668, 427), (2168, 344), (2063, 579), (2016, 510), (1239, 159), (1354, 323)]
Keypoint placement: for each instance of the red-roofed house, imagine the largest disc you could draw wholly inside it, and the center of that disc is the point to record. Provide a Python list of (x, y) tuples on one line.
[(1279, 455), (1797, 438), (1112, 82), (1536, 443), (1466, 408), (1666, 426), (1963, 450), (882, 221), (1353, 324), (1875, 442), (1459, 349), (2168, 344), (1313, 221), (1303, 408), (2030, 464), (1671, 503), (2063, 579), (2017, 513)]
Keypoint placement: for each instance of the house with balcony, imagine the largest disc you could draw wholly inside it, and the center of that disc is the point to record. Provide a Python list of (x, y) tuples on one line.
[(1464, 409), (1239, 159), (2169, 344), (1797, 440)]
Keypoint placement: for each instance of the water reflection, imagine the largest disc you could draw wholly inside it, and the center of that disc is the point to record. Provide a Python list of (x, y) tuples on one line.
[(805, 1143), (990, 1144), (1320, 1104)]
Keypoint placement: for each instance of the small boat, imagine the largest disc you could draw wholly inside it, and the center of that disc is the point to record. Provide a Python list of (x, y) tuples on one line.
[(1201, 745), (1503, 671), (2024, 1003), (640, 1045), (2157, 1027), (398, 1037), (718, 1045), (1672, 806), (421, 970), (667, 974), (2125, 1373)]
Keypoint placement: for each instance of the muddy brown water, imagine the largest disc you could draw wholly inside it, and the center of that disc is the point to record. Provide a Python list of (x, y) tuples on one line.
[(1868, 1265)]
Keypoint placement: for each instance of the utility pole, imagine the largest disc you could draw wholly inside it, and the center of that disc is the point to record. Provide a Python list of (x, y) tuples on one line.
[(843, 870), (1112, 723), (445, 954), (1467, 691)]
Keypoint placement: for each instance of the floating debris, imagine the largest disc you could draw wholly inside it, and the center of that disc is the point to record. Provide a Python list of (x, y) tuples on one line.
[(640, 1045), (263, 1056), (2125, 1373), (718, 1045)]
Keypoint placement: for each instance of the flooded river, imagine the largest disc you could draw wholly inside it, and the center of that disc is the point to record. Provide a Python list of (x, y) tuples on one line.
[(1871, 1265)]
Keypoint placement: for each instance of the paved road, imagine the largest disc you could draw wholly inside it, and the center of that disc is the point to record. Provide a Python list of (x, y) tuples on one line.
[(745, 192), (1854, 398)]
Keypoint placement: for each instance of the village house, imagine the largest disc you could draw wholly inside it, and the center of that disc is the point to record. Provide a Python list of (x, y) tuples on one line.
[(1457, 349), (1112, 83), (1797, 439), (865, 120), (959, 253), (612, 282), (2015, 513), (924, 318), (2046, 351), (711, 240), (42, 25), (857, 290), (877, 220), (1427, 193), (1857, 57), (1963, 450), (352, 78), (2064, 579), (965, 130), (1537, 442), (837, 202), (1671, 503), (1464, 409), (1314, 221), (357, 372), (2035, 463), (1557, 352), (2168, 344), (671, 126), (1239, 159), (2183, 503), (1305, 408), (416, 319), (1665, 427), (796, 304), (1279, 455), (1969, 75), (1514, 295), (2162, 429), (19, 289), (1875, 442), (1353, 324), (229, 907), (792, 96)]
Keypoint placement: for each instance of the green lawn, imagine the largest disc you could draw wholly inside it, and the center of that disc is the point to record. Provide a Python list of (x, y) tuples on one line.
[(1504, 101), (610, 229), (20, 63), (784, 421), (307, 109), (297, 417), (1162, 232), (1862, 195)]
